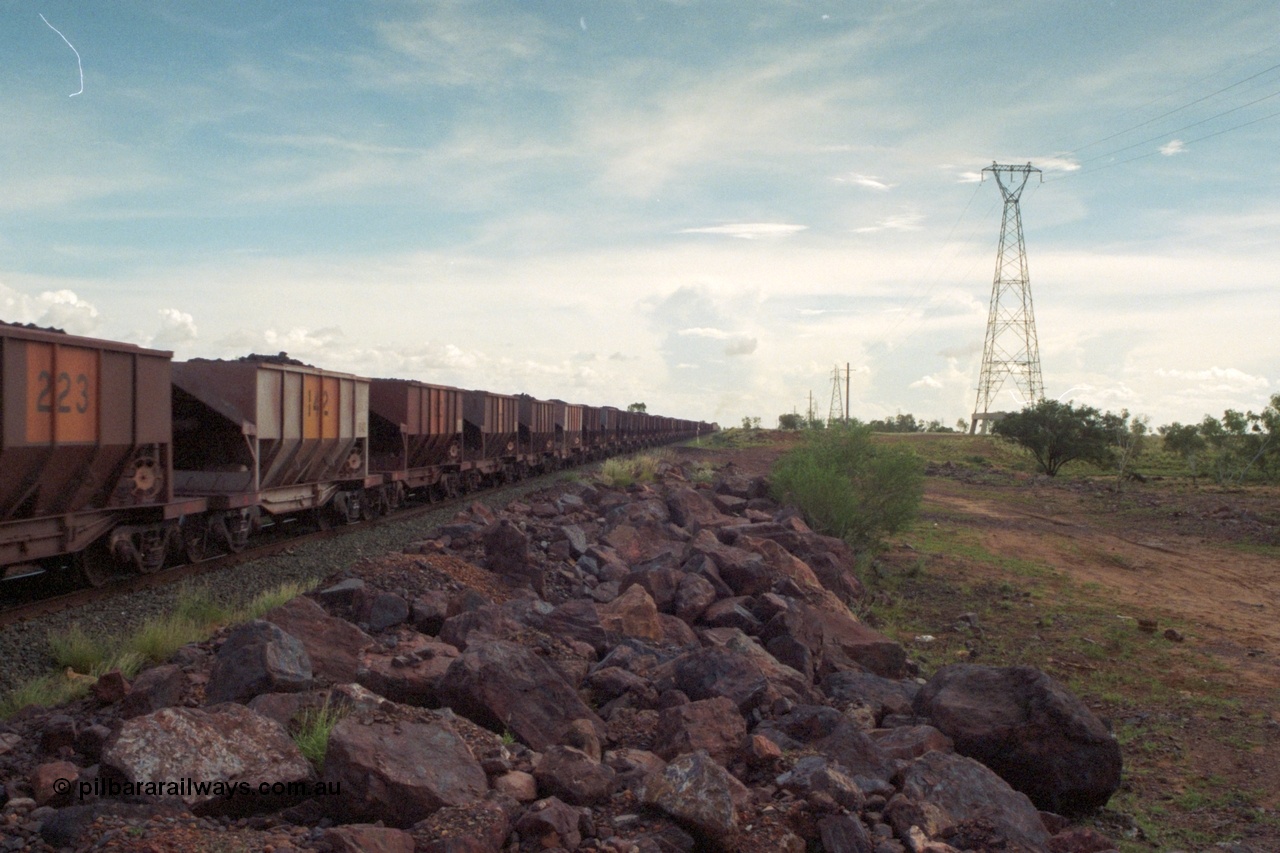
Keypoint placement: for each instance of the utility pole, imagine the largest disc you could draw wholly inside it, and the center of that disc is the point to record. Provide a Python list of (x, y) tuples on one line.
[(846, 392), (809, 418), (1011, 348)]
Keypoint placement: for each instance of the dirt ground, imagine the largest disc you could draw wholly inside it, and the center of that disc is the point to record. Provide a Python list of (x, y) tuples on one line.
[(1179, 552), (1061, 571)]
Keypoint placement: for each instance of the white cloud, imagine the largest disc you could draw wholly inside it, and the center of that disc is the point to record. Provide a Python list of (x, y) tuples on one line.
[(925, 382), (60, 309), (1218, 379), (1172, 147), (905, 221), (700, 332), (867, 181), (176, 329), (749, 230), (740, 345), (1055, 164)]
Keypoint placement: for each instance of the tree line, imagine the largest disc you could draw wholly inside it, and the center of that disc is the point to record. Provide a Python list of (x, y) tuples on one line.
[(897, 423), (1236, 447), (1231, 449)]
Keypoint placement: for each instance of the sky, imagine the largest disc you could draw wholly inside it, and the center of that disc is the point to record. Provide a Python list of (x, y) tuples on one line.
[(703, 206)]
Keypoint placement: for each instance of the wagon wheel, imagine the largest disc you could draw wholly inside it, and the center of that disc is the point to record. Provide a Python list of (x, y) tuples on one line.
[(95, 565)]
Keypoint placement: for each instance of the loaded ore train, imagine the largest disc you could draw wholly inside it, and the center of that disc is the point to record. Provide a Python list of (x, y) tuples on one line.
[(116, 459)]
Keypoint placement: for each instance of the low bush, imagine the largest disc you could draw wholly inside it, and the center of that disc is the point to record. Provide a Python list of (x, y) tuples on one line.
[(850, 487)]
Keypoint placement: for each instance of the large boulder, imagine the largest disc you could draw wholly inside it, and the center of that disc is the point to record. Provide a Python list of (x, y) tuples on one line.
[(553, 824), (399, 773), (577, 619), (506, 551), (508, 687), (409, 674), (1028, 728), (749, 680), (882, 696), (782, 561), (870, 766), (632, 614), (491, 621), (815, 774), (573, 776), (693, 510), (641, 541), (745, 572), (943, 793), (699, 794), (333, 645), (830, 559), (258, 657), (153, 689), (712, 725), (693, 595), (213, 759), (836, 641)]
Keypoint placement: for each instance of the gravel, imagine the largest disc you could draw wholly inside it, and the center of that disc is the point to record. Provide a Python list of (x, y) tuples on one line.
[(24, 648)]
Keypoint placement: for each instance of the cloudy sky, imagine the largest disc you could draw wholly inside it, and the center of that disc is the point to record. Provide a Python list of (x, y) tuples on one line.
[(701, 205)]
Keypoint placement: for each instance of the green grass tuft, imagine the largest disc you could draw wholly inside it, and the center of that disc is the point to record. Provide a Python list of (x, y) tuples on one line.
[(312, 731), (76, 649)]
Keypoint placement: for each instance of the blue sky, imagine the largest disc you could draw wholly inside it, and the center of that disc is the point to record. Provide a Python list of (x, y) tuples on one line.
[(701, 205)]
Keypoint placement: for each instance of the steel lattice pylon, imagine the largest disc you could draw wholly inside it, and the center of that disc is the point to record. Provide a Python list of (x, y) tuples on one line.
[(1011, 348), (836, 413)]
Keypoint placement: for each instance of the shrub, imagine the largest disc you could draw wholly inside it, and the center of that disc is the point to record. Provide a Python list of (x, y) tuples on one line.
[(846, 486)]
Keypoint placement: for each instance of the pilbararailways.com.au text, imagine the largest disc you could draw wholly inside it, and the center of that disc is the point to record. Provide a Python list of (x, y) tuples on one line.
[(194, 788)]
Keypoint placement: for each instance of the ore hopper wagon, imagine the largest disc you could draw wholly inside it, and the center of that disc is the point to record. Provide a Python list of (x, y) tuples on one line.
[(86, 465), (263, 439), (537, 422), (569, 421), (491, 433), (415, 437)]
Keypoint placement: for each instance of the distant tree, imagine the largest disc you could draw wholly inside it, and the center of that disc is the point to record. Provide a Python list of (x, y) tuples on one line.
[(790, 421), (1128, 438), (907, 423), (1186, 441), (1243, 440), (750, 423), (1057, 433), (637, 407)]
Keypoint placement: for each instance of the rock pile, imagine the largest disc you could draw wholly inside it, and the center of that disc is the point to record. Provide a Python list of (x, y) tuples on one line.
[(669, 667)]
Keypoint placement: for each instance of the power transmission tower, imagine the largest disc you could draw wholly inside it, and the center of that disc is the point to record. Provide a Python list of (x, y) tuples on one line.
[(836, 413), (1011, 348)]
